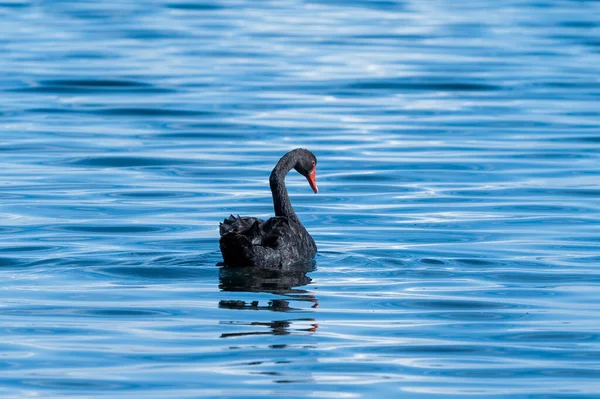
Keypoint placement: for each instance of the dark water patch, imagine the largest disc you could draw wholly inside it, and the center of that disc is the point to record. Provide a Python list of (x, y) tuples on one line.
[(220, 175), (552, 156), (356, 261), (488, 373), (570, 84), (583, 239), (384, 5), (477, 316), (93, 83), (428, 261), (523, 293), (526, 276), (476, 262), (412, 272), (149, 272), (153, 112), (426, 349), (116, 229), (190, 260), (15, 4), (185, 128), (576, 373), (390, 84), (51, 111), (553, 337), (457, 304), (51, 330), (91, 55), (532, 208), (367, 177), (525, 192), (154, 194), (389, 36), (219, 133), (580, 139), (11, 196), (199, 6), (125, 161), (123, 312), (592, 43), (423, 237), (67, 261), (583, 114), (9, 262), (39, 147), (153, 34), (73, 384), (93, 14), (579, 24), (437, 166), (129, 112), (192, 357), (186, 244), (28, 248), (92, 86), (396, 263)]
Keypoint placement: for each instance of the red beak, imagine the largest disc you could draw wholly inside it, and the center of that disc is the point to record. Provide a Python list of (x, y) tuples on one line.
[(312, 180)]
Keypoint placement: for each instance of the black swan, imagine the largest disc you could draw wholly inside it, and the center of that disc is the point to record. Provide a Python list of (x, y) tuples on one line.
[(282, 240)]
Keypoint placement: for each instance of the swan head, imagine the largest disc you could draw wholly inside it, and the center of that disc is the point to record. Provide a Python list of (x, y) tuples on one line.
[(306, 165)]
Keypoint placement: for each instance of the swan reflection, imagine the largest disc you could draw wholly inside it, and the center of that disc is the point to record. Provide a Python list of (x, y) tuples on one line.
[(284, 281)]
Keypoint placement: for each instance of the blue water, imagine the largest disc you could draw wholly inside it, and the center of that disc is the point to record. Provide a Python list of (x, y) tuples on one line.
[(457, 222)]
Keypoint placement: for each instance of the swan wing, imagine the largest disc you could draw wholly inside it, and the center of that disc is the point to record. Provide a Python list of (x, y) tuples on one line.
[(238, 224)]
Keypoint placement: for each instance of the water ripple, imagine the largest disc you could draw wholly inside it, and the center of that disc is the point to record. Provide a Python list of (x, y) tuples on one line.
[(456, 221)]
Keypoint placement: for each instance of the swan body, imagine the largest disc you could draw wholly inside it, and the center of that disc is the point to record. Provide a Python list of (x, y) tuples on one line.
[(280, 241)]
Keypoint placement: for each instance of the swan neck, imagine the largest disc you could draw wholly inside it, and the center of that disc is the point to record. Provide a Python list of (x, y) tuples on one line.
[(281, 199)]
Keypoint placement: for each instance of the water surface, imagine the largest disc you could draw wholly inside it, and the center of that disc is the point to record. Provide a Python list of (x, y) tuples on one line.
[(457, 220)]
